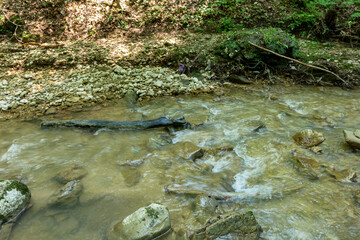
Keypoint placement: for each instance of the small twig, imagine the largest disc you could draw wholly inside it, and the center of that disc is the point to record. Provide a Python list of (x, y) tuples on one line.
[(297, 61)]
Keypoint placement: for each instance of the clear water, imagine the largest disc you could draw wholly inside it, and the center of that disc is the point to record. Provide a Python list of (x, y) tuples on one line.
[(259, 166)]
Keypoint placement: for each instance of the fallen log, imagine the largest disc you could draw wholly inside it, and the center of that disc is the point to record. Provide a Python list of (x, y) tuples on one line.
[(121, 125), (219, 195)]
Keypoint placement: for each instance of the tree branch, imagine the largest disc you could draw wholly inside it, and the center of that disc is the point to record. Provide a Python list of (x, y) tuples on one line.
[(297, 61)]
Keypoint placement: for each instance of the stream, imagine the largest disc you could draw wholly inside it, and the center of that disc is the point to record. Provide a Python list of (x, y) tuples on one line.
[(126, 170)]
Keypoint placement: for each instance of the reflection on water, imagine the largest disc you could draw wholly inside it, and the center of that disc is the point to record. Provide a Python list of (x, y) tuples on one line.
[(128, 170)]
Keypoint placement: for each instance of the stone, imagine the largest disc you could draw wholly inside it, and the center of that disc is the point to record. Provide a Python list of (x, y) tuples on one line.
[(308, 138), (316, 149), (204, 207), (345, 175), (159, 83), (187, 150), (67, 196), (119, 70), (352, 138), (232, 225), (356, 197), (14, 197), (308, 166), (73, 99), (144, 224), (357, 133), (73, 172), (50, 111), (131, 97)]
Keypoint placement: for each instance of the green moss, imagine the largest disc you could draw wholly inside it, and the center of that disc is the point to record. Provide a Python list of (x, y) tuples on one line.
[(250, 213), (18, 186), (152, 212), (2, 219)]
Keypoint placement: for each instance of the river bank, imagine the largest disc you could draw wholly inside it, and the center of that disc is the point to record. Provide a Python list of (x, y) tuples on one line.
[(48, 78)]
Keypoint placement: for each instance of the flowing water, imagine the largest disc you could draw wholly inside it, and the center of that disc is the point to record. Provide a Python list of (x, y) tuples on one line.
[(257, 164)]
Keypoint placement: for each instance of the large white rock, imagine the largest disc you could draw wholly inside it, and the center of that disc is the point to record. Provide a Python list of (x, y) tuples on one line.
[(14, 197), (144, 224), (352, 138)]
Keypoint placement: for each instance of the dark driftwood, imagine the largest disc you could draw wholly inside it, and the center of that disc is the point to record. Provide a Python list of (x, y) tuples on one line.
[(126, 125)]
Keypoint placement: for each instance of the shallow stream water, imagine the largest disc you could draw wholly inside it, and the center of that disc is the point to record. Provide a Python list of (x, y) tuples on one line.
[(257, 164)]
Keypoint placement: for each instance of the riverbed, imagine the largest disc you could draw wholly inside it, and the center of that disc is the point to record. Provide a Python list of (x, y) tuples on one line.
[(246, 133)]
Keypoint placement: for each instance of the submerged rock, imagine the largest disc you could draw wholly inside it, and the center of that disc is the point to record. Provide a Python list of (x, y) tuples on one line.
[(308, 138), (353, 138), (14, 197), (188, 150), (67, 196), (346, 175), (308, 166), (231, 225), (356, 197), (204, 207), (73, 172), (144, 224)]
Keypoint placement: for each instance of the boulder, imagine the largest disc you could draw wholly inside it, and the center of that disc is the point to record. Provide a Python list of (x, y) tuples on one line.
[(71, 173), (67, 196), (308, 138), (353, 138), (144, 224), (14, 197), (232, 225)]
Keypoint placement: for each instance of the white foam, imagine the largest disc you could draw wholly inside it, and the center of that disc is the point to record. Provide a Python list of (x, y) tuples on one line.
[(254, 167)]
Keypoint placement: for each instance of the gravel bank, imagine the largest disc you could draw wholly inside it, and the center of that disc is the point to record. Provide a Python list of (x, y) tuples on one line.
[(45, 92)]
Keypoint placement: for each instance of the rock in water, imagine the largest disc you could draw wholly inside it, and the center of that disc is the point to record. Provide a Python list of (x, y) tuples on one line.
[(187, 150), (144, 224), (67, 196), (231, 225), (73, 172), (345, 175), (308, 166), (308, 138), (353, 138), (14, 197)]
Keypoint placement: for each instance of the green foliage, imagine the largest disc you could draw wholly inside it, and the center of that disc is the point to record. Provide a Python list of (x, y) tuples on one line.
[(280, 41), (301, 21), (10, 26), (226, 24), (274, 39)]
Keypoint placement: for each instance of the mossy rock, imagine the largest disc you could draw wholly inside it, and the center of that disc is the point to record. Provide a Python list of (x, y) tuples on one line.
[(144, 224), (14, 197), (232, 225)]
